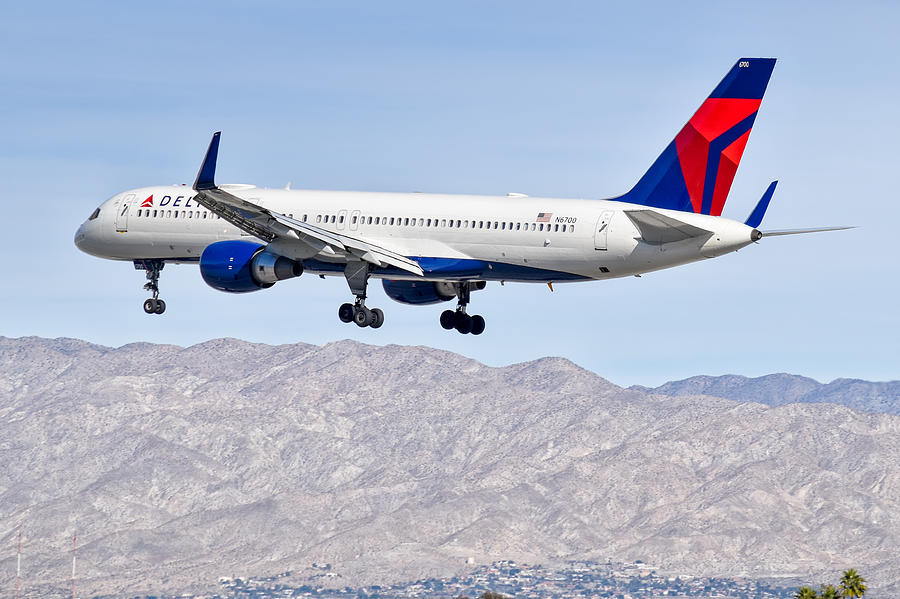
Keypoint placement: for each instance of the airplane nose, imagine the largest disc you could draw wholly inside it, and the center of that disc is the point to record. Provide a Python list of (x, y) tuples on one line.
[(79, 237), (87, 238)]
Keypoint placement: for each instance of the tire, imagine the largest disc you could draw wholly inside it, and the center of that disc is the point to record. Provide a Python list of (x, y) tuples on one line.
[(463, 323), (448, 319), (150, 306), (477, 324), (345, 312), (160, 306), (377, 318), (362, 316)]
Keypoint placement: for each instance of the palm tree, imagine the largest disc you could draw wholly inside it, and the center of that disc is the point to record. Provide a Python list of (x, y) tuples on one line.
[(852, 584), (805, 593), (829, 592)]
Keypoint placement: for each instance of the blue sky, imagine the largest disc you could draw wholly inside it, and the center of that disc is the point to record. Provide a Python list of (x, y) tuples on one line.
[(565, 99)]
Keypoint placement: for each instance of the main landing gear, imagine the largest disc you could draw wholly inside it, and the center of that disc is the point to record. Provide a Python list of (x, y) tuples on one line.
[(152, 305), (458, 319), (357, 275)]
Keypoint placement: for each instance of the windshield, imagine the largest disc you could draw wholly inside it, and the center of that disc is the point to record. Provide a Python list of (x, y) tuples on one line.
[(94, 214)]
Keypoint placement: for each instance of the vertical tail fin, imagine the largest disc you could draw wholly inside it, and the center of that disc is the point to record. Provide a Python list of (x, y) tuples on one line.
[(695, 171)]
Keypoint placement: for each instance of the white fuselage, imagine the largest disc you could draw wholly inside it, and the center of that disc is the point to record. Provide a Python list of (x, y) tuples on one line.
[(518, 238)]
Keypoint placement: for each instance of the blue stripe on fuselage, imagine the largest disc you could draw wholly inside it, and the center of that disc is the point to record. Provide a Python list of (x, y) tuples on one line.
[(453, 269)]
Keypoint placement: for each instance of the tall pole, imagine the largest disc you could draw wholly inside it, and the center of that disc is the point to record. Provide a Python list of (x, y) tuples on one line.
[(18, 564), (74, 552)]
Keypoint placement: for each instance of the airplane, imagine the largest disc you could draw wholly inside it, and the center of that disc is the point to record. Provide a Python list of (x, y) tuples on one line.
[(433, 248)]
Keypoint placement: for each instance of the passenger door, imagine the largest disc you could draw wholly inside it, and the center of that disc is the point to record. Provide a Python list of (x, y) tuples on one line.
[(601, 231), (122, 213)]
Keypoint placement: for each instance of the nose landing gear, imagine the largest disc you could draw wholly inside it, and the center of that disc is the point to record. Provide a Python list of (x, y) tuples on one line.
[(153, 305), (459, 319)]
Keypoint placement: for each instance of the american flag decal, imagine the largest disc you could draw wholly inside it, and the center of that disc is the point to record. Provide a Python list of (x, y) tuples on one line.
[(543, 217)]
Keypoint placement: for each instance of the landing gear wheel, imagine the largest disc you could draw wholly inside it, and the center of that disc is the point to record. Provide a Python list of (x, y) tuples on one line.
[(362, 316), (160, 306), (477, 325), (150, 306), (448, 319), (377, 318), (463, 323), (345, 312)]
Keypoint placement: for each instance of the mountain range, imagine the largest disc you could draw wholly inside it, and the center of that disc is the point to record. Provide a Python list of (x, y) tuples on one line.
[(177, 466), (780, 389)]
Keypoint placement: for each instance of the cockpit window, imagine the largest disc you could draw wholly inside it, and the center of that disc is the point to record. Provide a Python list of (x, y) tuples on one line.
[(94, 214)]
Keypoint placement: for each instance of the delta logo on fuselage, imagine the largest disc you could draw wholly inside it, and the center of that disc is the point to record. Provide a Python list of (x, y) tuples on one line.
[(168, 201)]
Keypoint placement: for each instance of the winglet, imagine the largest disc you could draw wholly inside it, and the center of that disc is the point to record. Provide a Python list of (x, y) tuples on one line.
[(207, 174), (756, 216)]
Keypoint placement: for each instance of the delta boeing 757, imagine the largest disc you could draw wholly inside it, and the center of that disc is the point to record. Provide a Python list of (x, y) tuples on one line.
[(431, 248)]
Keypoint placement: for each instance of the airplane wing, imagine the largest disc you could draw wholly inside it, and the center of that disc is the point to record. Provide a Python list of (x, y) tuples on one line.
[(273, 226), (657, 229)]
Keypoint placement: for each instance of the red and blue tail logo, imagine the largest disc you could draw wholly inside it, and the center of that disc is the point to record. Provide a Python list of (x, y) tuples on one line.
[(695, 171)]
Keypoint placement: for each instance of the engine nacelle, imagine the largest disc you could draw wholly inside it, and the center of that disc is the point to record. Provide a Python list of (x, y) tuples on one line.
[(422, 293), (242, 266)]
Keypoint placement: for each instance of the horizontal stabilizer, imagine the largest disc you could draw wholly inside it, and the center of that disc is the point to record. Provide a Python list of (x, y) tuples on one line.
[(802, 231), (657, 229), (759, 212)]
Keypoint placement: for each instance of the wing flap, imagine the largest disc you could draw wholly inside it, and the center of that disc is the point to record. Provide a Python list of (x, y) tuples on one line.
[(657, 228)]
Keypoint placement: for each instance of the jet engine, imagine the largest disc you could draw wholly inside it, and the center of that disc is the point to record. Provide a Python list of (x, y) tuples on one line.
[(242, 266), (421, 293)]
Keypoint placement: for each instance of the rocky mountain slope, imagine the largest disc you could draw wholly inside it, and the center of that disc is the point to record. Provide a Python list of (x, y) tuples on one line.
[(780, 389), (180, 465)]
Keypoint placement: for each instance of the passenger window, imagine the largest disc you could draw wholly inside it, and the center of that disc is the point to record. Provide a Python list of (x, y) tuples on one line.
[(444, 223), (353, 220), (564, 228), (572, 229), (495, 224), (341, 219), (168, 214), (481, 224), (190, 215), (318, 218), (154, 214), (518, 226), (421, 222), (304, 218), (332, 218), (377, 220), (139, 212), (532, 226), (204, 215)]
